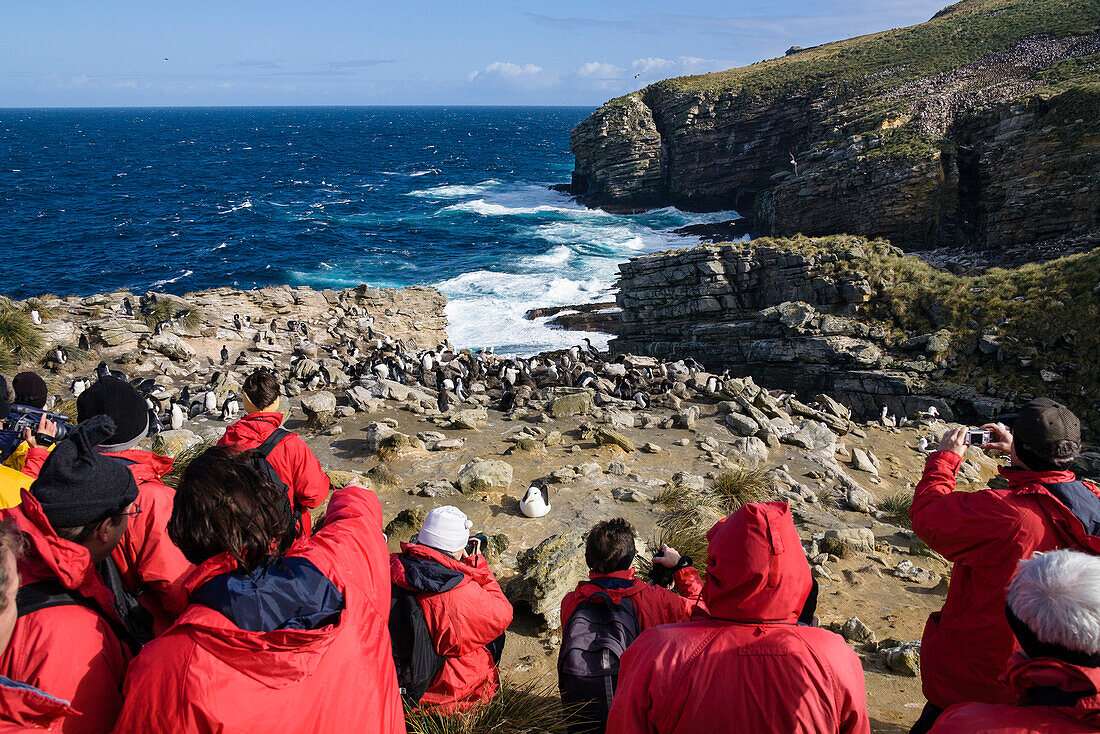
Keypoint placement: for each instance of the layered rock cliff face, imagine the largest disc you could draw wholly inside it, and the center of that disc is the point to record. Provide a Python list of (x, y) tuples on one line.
[(863, 322), (956, 131)]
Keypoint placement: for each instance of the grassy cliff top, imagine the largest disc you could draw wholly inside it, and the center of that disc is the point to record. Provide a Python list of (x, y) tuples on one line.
[(957, 35)]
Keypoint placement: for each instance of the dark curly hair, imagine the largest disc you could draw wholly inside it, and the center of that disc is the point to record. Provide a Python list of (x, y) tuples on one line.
[(261, 387), (610, 546), (226, 504), (12, 543)]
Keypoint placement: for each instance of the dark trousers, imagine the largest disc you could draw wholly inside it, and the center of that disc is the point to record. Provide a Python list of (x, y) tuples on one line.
[(927, 719)]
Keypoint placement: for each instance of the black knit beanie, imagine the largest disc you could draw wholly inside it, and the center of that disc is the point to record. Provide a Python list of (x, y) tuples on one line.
[(77, 486), (30, 389), (124, 405)]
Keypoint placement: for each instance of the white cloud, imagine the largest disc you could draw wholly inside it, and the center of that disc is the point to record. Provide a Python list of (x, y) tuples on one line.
[(650, 64), (654, 67), (599, 70), (507, 70)]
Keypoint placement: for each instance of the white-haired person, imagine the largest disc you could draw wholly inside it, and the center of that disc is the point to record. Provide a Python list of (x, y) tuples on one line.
[(1054, 610)]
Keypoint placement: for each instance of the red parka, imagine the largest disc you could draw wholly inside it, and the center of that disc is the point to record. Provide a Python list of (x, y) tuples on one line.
[(292, 460), (465, 610), (70, 650), (967, 644), (24, 708), (152, 567), (1023, 676), (207, 674), (748, 665), (654, 604)]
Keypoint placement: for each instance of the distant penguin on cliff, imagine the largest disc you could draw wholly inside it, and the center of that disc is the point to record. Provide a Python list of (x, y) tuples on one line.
[(127, 307), (36, 318), (536, 502), (507, 401), (225, 354), (237, 323)]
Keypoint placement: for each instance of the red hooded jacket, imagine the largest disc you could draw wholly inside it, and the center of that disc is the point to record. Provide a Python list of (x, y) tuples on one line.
[(303, 673), (967, 644), (1023, 676), (654, 604), (292, 460), (69, 650), (24, 708), (465, 610), (748, 664), (151, 566)]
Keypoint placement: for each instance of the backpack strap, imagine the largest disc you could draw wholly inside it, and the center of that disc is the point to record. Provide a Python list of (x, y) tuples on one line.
[(272, 441), (51, 593)]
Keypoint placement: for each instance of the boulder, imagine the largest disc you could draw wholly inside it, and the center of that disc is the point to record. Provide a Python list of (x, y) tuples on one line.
[(172, 347), (813, 436), (608, 437), (173, 443), (470, 419), (749, 452), (860, 500), (742, 425), (577, 403), (629, 494), (361, 399), (375, 436), (482, 475), (546, 573), (855, 538), (904, 658), (854, 630), (863, 461), (407, 524), (320, 409), (304, 369)]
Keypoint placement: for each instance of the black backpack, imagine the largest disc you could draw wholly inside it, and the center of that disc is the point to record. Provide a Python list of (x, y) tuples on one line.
[(263, 451), (592, 642), (51, 593), (414, 653)]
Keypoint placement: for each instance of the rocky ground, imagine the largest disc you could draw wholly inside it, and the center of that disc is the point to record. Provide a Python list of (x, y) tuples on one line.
[(670, 468)]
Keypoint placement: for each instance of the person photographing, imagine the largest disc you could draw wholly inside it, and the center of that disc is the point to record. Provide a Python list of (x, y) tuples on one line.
[(967, 644)]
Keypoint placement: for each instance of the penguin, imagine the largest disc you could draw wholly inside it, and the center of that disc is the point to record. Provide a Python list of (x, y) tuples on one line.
[(552, 372), (237, 323), (210, 402), (61, 355), (641, 399), (185, 395), (886, 419), (83, 343), (230, 408), (536, 502), (78, 386), (195, 409), (225, 354), (712, 385), (592, 351), (511, 374), (176, 416), (36, 318), (127, 307), (274, 324), (160, 327), (507, 401), (586, 379), (382, 370)]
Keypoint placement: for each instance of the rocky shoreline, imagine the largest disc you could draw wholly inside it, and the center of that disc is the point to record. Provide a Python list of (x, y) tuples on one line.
[(694, 447)]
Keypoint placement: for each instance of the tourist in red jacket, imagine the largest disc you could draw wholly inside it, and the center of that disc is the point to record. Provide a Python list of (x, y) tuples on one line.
[(967, 644), (747, 665), (72, 517), (1054, 608), (279, 636), (292, 460), (609, 552), (23, 708), (464, 608), (150, 566)]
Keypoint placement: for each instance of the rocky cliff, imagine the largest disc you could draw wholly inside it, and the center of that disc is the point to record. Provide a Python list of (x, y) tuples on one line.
[(863, 322), (979, 127)]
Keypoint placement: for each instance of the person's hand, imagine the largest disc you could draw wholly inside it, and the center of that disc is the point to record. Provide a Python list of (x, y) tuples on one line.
[(45, 426), (1002, 438), (954, 441), (667, 556)]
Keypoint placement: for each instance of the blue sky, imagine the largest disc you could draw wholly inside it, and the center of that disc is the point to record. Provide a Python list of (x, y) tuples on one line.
[(199, 52)]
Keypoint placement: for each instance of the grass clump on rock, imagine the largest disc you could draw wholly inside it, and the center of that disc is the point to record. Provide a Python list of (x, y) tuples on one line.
[(738, 488), (516, 709), (896, 507), (19, 339)]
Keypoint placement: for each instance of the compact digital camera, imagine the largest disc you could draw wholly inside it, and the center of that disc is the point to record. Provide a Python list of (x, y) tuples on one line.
[(978, 437)]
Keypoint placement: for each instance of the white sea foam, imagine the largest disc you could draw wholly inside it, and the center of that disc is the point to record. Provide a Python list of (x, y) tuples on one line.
[(246, 204), (455, 191), (166, 281)]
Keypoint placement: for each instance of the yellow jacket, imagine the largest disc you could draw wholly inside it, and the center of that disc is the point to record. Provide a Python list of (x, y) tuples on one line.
[(12, 483)]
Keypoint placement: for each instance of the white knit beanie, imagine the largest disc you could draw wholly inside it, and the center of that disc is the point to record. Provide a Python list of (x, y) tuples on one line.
[(445, 528)]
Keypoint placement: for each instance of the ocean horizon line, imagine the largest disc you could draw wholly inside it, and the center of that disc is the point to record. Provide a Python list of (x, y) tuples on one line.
[(302, 107)]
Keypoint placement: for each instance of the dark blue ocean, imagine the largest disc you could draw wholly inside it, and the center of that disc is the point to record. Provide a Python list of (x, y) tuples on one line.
[(189, 198)]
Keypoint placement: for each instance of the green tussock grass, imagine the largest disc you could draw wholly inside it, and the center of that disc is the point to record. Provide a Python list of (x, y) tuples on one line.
[(77, 356), (957, 35), (384, 474), (66, 407), (896, 506), (738, 488), (516, 709), (166, 310), (39, 303), (180, 462), (828, 496), (20, 340)]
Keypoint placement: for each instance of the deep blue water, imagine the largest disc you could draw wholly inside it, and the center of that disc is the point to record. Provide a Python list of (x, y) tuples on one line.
[(184, 199)]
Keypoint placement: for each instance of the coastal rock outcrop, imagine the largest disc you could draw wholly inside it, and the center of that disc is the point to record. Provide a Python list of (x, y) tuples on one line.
[(987, 139)]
